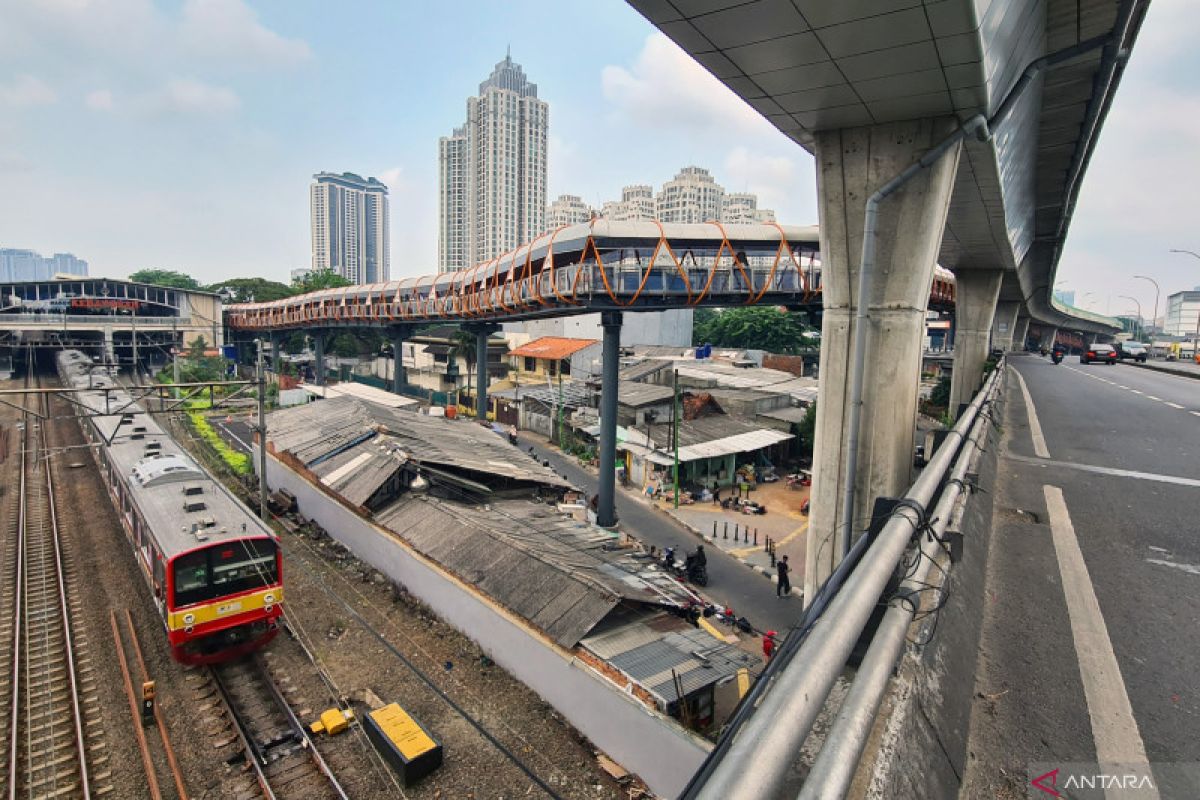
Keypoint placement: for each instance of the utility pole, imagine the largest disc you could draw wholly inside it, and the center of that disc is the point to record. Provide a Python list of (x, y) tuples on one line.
[(175, 355), (560, 410), (133, 330), (675, 415), (261, 378)]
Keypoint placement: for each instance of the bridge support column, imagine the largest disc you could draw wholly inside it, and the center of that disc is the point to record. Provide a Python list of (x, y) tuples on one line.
[(1047, 338), (398, 335), (482, 331), (276, 343), (975, 294), (1020, 333), (851, 165), (319, 351), (606, 511), (1005, 325)]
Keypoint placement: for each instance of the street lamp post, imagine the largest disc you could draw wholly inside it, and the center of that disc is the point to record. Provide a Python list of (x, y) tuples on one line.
[(1139, 310), (1156, 293)]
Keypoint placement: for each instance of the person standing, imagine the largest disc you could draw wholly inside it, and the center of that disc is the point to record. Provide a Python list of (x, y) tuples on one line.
[(783, 586)]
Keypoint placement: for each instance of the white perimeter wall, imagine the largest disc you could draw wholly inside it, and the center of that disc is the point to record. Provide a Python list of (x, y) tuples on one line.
[(661, 753), (670, 327)]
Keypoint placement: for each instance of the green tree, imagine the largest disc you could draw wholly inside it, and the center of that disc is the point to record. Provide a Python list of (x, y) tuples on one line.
[(259, 290), (702, 321), (165, 277), (319, 279), (807, 429), (196, 347), (464, 345), (767, 328)]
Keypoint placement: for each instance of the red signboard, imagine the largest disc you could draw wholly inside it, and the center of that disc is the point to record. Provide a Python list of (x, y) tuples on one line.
[(104, 302)]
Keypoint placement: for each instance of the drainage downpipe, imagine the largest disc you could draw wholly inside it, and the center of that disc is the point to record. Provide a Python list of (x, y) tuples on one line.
[(984, 127), (759, 758), (861, 315), (835, 766)]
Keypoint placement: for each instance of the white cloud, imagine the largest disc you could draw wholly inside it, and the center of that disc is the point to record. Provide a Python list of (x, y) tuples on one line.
[(14, 162), (392, 178), (229, 30), (190, 96), (665, 89), (99, 100), (26, 91), (774, 178)]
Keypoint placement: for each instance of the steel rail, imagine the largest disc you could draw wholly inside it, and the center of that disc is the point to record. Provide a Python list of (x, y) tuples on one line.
[(38, 445), (834, 768), (761, 754)]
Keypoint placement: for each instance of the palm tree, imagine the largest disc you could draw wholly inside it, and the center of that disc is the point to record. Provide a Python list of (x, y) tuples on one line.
[(464, 343)]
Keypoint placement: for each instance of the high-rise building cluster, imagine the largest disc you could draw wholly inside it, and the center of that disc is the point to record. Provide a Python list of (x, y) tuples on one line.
[(26, 265), (692, 196), (350, 227), (492, 171)]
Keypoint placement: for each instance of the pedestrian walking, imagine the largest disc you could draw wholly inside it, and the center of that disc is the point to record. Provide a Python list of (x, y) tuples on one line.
[(783, 586), (768, 644)]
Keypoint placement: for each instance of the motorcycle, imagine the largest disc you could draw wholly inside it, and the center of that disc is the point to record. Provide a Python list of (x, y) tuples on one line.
[(1056, 357)]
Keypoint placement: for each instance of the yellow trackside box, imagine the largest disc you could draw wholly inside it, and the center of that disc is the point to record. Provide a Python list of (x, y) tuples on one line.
[(407, 746)]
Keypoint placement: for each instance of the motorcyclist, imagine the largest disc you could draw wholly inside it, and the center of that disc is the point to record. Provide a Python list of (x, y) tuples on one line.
[(700, 559), (1056, 355)]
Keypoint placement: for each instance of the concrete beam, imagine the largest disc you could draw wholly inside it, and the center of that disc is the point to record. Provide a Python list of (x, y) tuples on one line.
[(482, 331), (397, 336), (606, 511), (1004, 325), (1020, 333), (851, 165), (319, 351), (974, 307)]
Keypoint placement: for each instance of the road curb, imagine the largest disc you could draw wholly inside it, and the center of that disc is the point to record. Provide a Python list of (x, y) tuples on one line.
[(1182, 373), (766, 573)]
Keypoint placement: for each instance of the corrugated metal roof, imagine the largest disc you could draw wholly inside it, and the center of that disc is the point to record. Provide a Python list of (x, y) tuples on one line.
[(741, 443), (362, 391), (552, 347), (636, 395), (789, 414), (648, 657), (319, 431), (553, 571)]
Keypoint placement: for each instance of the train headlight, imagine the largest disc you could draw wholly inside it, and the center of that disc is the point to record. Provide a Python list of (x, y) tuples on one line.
[(269, 598), (188, 619)]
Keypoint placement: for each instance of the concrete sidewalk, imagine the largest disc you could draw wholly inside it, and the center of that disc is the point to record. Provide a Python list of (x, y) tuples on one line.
[(1182, 369)]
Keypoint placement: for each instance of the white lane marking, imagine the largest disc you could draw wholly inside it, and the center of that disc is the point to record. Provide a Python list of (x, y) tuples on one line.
[(1173, 405), (1110, 471), (1195, 413), (1192, 568), (1152, 397), (1135, 391), (1122, 386), (1035, 427), (1114, 730)]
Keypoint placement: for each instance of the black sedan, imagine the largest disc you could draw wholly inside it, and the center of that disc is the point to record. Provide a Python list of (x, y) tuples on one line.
[(1103, 353)]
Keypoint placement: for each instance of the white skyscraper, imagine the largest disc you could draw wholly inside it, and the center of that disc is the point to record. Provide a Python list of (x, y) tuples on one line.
[(693, 196), (492, 172), (568, 209), (350, 229)]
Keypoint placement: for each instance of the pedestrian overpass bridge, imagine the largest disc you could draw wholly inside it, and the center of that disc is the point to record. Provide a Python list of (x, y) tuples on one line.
[(596, 266)]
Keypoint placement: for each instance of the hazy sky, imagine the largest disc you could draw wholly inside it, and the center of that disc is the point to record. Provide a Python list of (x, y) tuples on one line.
[(184, 134)]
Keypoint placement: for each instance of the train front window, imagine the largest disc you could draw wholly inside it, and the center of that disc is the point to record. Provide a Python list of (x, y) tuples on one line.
[(244, 565), (224, 569), (191, 578)]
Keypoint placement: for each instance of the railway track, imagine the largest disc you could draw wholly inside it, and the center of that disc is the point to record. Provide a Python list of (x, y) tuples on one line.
[(53, 741), (276, 744)]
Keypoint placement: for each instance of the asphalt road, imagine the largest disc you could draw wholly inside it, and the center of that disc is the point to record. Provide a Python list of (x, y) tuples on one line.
[(1123, 446), (730, 582)]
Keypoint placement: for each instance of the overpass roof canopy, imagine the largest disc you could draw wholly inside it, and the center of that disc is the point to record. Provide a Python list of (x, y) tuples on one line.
[(814, 65)]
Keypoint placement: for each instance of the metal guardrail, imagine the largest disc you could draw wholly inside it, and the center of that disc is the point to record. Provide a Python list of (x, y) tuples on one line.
[(756, 763), (67, 321)]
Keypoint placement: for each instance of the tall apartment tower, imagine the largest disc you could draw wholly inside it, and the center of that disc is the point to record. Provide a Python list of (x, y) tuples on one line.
[(350, 229), (492, 172), (693, 196), (568, 209)]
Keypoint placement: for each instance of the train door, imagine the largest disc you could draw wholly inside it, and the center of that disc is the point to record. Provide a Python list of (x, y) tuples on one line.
[(159, 582)]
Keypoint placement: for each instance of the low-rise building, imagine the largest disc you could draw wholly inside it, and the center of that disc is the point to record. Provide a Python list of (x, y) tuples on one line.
[(554, 356)]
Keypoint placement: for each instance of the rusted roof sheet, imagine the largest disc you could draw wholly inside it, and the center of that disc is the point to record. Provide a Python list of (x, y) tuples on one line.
[(555, 572), (552, 347)]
